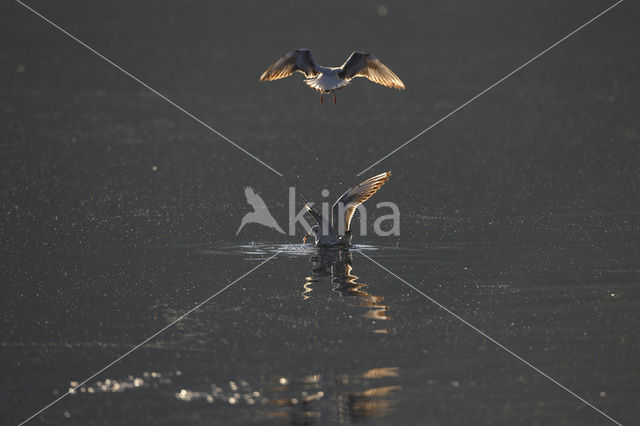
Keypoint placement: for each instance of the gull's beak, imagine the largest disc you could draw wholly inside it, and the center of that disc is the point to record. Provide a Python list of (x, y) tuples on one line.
[(304, 239)]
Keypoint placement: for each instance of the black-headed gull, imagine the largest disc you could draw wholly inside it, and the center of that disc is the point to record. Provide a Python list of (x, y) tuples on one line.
[(338, 233), (330, 79)]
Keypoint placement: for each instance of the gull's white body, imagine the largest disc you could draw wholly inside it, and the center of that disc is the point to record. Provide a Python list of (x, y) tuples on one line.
[(327, 80), (330, 79)]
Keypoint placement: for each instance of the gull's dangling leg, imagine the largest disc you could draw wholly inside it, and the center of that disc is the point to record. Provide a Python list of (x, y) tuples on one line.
[(334, 98), (321, 98)]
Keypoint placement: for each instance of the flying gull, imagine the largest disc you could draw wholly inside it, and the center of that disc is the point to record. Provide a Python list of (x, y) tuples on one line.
[(330, 79), (338, 233)]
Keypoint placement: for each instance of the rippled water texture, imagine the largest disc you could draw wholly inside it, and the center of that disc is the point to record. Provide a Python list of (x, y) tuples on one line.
[(519, 213)]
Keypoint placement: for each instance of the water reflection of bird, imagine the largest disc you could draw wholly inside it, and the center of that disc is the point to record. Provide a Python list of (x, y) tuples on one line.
[(338, 232), (330, 79), (260, 213), (337, 263), (335, 398)]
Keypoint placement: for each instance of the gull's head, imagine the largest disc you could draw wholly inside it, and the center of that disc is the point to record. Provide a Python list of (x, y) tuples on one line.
[(315, 231)]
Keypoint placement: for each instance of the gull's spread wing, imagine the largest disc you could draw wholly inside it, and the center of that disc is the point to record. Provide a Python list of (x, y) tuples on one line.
[(320, 220), (300, 60), (351, 199), (363, 64)]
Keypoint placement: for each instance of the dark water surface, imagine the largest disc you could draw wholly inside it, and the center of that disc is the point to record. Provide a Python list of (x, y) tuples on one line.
[(520, 213)]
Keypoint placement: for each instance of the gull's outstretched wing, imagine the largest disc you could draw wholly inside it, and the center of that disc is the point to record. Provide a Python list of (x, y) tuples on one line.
[(254, 199), (351, 199), (300, 60), (362, 64), (320, 220)]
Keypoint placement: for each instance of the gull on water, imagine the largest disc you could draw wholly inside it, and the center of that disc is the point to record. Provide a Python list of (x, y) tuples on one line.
[(338, 233), (330, 79)]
